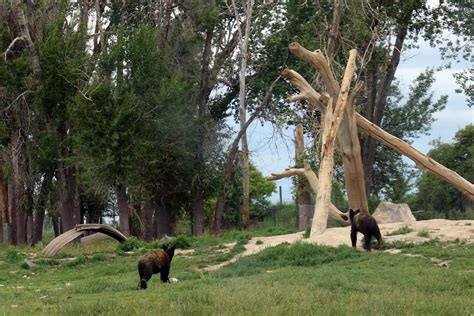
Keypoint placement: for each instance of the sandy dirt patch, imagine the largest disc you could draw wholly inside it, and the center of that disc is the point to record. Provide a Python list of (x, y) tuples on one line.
[(442, 229)]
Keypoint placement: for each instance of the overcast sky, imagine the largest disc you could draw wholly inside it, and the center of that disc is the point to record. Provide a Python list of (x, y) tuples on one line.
[(273, 151)]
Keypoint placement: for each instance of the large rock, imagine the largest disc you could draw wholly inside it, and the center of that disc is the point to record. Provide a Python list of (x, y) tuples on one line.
[(388, 212)]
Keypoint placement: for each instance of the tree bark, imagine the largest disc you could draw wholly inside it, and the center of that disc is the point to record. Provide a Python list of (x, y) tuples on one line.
[(243, 41), (198, 214), (122, 204), (23, 24), (334, 30), (4, 216), (305, 207), (69, 209), (147, 219), (163, 219), (332, 121)]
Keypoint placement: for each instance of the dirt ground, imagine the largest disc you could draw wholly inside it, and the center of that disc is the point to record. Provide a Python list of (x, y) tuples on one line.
[(442, 229)]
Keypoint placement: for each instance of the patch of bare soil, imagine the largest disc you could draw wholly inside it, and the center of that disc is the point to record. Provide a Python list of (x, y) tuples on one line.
[(442, 229)]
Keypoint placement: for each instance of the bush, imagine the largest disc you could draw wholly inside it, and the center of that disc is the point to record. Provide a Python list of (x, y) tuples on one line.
[(130, 244), (12, 256), (181, 242)]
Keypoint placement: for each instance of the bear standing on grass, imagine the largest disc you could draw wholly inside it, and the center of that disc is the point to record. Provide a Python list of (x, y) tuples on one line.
[(155, 262), (365, 223)]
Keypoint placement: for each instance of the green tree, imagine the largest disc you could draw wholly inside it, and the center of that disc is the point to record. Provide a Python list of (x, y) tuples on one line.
[(434, 194)]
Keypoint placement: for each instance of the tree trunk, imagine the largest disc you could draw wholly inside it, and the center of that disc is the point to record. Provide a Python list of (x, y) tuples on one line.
[(376, 107), (218, 214), (147, 219), (198, 214), (21, 21), (163, 217), (332, 121), (305, 207), (17, 195), (38, 224), (348, 139), (122, 203), (69, 209), (243, 41), (4, 217)]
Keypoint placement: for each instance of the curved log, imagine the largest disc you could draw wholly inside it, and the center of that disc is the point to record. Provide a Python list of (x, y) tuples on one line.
[(62, 240)]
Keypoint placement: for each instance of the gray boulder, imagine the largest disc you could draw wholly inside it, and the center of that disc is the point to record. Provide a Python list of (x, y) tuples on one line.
[(388, 212)]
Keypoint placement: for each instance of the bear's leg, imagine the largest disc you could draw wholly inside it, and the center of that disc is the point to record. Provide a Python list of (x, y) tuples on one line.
[(353, 236), (368, 241), (164, 274), (145, 275), (378, 236)]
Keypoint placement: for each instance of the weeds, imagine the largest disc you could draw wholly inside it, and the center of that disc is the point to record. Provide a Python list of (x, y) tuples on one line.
[(423, 233), (401, 231)]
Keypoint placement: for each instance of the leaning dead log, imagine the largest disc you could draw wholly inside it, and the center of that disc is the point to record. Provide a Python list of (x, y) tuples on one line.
[(422, 161)]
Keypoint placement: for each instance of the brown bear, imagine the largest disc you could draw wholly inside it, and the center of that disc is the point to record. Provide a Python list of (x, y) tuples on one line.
[(365, 223), (155, 262)]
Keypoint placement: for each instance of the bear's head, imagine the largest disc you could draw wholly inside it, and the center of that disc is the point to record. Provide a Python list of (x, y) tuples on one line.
[(169, 251), (353, 213)]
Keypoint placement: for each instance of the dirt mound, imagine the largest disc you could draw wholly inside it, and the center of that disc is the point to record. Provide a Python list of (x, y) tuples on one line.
[(421, 231)]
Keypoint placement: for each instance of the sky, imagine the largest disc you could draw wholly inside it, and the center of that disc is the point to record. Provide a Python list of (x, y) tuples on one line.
[(272, 150)]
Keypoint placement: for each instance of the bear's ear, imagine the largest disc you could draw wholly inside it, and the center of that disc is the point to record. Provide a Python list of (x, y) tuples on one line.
[(164, 247), (357, 211)]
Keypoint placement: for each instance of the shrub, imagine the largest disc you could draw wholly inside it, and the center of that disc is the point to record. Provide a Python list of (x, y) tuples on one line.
[(130, 244), (12, 256)]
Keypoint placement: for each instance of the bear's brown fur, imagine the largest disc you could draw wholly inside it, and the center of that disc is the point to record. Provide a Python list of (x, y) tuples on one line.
[(365, 223), (155, 262)]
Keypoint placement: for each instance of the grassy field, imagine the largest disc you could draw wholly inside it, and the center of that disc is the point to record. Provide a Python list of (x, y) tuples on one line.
[(301, 279)]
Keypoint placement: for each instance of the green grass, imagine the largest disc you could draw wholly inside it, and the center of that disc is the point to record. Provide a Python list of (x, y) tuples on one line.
[(301, 279), (401, 231)]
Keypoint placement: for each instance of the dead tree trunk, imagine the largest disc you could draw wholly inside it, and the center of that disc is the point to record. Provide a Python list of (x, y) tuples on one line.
[(349, 144), (305, 207), (422, 161), (332, 121)]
